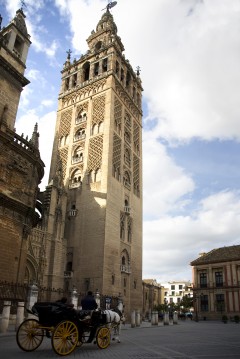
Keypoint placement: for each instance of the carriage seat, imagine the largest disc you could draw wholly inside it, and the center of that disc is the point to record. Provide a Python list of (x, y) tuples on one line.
[(84, 314)]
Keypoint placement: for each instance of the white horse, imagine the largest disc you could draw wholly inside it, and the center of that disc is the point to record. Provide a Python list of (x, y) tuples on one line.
[(114, 319)]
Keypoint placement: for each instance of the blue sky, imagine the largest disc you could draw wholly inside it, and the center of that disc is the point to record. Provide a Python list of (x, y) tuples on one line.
[(189, 55)]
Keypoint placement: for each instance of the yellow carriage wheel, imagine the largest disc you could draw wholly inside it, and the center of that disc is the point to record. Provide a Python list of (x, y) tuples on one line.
[(29, 335), (65, 337), (103, 337)]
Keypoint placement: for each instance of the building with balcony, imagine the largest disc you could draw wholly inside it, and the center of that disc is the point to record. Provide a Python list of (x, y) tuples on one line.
[(216, 283), (174, 291)]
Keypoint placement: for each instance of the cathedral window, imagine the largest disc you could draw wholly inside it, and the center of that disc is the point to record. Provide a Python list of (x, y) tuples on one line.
[(66, 86), (81, 117), (80, 134), (113, 279), (18, 46), (117, 68), (129, 232), (96, 68), (86, 71), (125, 262), (128, 79), (105, 64), (77, 155), (122, 229), (74, 80), (76, 179), (98, 45), (122, 75), (124, 282)]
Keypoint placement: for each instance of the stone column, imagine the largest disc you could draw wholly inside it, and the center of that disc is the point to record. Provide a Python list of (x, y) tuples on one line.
[(74, 298), (133, 319), (137, 318), (97, 298), (32, 296), (20, 315), (175, 318), (166, 319), (5, 317)]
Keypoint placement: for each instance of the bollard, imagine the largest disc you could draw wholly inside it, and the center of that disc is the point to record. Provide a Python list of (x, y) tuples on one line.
[(74, 298), (175, 318), (5, 317), (133, 319), (20, 315), (97, 298), (166, 319), (156, 318), (137, 318)]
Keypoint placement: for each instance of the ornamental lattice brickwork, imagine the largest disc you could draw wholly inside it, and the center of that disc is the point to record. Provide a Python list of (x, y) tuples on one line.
[(97, 158)]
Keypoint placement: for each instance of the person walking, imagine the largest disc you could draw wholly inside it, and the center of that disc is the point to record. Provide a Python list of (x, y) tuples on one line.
[(89, 302)]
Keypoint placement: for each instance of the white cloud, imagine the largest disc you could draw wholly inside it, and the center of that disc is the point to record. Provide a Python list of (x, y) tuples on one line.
[(171, 243), (46, 126)]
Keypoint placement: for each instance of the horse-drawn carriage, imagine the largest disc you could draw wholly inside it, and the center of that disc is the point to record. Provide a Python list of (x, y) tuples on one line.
[(66, 327)]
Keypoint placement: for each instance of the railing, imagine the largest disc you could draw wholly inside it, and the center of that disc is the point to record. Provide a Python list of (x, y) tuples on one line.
[(125, 268), (77, 159), (20, 141), (68, 274), (79, 137), (80, 119), (127, 209), (74, 185)]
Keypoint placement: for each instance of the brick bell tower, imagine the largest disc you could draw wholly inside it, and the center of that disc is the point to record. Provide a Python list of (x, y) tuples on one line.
[(98, 146)]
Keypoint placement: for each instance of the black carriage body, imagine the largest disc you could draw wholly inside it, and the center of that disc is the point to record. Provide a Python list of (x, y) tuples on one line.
[(52, 313)]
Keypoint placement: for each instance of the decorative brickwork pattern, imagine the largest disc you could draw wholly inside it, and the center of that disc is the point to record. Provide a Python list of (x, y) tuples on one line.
[(82, 107), (65, 122), (136, 137), (136, 171), (95, 153), (116, 154), (98, 109), (62, 163), (117, 114)]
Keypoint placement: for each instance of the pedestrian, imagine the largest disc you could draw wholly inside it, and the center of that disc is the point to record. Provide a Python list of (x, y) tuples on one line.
[(89, 302)]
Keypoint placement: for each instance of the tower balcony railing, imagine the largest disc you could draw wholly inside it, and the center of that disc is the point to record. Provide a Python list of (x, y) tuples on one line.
[(127, 209), (74, 185), (79, 137), (76, 159), (125, 268), (80, 120), (68, 274)]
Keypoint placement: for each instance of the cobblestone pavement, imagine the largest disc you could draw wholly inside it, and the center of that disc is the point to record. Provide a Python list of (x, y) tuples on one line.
[(186, 340)]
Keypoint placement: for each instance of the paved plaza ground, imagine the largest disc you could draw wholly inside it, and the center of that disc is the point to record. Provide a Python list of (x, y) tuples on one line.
[(187, 339)]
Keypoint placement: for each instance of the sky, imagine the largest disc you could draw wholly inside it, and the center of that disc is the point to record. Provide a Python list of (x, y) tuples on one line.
[(189, 55)]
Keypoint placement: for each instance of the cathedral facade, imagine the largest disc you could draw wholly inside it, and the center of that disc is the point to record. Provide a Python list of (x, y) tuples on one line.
[(21, 168)]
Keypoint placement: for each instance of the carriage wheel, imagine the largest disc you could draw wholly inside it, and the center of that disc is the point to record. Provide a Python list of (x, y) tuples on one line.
[(65, 337), (103, 337), (29, 336)]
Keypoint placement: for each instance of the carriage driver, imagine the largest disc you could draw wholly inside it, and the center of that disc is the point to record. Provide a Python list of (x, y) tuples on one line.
[(89, 302)]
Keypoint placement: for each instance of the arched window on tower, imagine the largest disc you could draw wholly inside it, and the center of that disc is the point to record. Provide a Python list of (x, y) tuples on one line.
[(76, 179), (100, 127), (80, 134), (77, 155), (98, 45), (125, 262), (81, 117), (86, 71)]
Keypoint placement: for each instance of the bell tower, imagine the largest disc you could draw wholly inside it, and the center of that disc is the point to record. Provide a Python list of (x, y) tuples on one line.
[(98, 144), (14, 45)]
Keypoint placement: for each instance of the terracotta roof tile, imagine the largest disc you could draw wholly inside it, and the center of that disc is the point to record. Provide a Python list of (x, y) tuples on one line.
[(223, 254)]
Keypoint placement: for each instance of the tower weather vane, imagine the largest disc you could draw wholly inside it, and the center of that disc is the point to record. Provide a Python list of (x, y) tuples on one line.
[(110, 5), (23, 4)]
